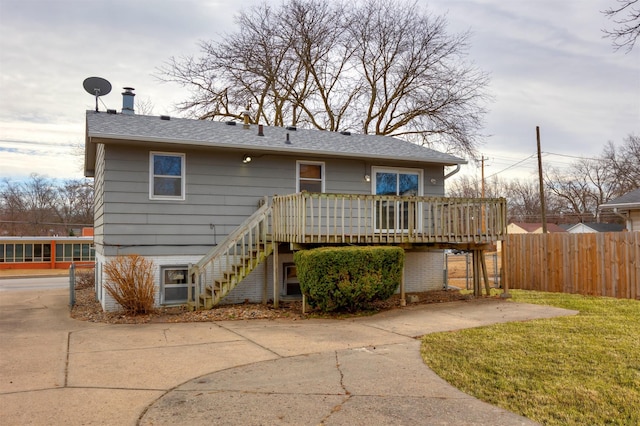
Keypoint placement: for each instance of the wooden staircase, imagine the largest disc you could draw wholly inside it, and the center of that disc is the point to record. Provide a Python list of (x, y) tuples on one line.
[(227, 264)]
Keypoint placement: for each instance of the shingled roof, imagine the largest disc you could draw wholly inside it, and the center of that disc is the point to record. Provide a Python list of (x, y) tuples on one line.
[(107, 128), (630, 200)]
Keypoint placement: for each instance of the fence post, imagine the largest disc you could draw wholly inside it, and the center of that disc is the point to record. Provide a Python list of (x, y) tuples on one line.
[(72, 286), (466, 262), (446, 271)]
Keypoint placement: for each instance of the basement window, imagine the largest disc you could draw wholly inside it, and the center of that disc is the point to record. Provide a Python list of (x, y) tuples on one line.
[(166, 176), (174, 284)]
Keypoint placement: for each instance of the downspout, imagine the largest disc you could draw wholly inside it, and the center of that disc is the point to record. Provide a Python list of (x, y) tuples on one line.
[(627, 219), (448, 175)]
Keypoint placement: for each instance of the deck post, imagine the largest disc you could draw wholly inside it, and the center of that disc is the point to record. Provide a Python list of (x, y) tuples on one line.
[(485, 275), (265, 284), (477, 292), (504, 280), (190, 282), (276, 293), (403, 300)]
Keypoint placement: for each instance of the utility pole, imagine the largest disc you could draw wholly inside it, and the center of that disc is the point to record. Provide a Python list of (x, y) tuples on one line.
[(482, 194), (482, 215), (542, 203)]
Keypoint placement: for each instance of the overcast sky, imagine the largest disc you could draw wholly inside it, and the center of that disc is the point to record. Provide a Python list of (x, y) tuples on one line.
[(549, 67)]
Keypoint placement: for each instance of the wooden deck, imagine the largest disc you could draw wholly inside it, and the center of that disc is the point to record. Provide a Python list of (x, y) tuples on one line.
[(308, 219), (312, 218)]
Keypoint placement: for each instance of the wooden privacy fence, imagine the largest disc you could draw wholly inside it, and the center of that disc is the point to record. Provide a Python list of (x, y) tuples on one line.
[(599, 264)]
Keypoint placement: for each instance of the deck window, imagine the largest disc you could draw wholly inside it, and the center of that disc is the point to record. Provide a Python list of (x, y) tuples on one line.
[(394, 214), (174, 284), (166, 176), (310, 176)]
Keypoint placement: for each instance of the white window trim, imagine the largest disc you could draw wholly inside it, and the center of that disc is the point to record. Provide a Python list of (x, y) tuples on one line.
[(399, 170), (163, 285), (183, 178), (316, 163)]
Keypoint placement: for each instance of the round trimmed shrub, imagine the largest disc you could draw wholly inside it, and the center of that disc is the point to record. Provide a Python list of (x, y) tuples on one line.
[(348, 278)]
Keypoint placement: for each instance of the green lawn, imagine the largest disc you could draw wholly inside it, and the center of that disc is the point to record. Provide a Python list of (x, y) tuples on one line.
[(577, 370)]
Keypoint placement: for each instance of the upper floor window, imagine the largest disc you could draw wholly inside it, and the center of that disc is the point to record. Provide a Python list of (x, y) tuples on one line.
[(166, 176), (310, 176)]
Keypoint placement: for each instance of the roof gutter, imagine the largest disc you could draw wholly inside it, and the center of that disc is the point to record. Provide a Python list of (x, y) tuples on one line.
[(453, 172)]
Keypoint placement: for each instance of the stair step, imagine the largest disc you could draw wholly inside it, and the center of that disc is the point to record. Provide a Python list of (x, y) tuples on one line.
[(216, 289), (245, 258)]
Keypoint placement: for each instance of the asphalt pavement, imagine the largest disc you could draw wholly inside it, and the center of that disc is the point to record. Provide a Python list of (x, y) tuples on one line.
[(29, 283), (58, 371)]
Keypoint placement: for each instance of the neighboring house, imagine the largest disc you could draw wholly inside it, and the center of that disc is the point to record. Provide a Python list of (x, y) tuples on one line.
[(626, 206), (532, 228), (581, 228), (219, 207)]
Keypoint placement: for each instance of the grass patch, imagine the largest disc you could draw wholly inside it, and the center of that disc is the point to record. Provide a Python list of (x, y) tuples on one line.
[(577, 370)]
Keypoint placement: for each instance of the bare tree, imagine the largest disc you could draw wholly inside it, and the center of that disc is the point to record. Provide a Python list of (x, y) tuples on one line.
[(464, 186), (12, 209), (624, 162), (417, 83), (523, 201), (575, 189), (40, 206), (143, 107), (38, 197), (626, 17), (469, 187), (74, 204), (376, 67)]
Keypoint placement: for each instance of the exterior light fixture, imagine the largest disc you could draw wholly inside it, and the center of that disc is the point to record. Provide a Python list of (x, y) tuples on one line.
[(367, 178), (246, 159)]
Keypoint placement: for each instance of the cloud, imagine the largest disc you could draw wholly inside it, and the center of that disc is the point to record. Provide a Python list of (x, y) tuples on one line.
[(549, 64)]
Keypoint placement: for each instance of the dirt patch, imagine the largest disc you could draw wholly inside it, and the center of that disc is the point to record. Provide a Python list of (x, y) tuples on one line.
[(88, 309)]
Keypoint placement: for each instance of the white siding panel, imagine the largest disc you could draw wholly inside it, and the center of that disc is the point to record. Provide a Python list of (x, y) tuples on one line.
[(424, 271), (633, 223)]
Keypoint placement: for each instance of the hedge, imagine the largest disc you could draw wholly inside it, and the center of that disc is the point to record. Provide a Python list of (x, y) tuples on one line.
[(348, 278)]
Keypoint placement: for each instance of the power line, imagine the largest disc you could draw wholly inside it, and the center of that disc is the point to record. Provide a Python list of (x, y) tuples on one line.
[(572, 156), (511, 166)]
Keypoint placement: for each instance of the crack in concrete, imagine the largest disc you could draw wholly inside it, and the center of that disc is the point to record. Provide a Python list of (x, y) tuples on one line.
[(245, 338), (338, 407)]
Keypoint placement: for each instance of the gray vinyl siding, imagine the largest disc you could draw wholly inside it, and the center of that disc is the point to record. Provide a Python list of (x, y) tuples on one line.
[(98, 206), (221, 192)]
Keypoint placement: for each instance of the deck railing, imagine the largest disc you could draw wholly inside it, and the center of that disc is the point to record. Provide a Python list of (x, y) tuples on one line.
[(312, 218)]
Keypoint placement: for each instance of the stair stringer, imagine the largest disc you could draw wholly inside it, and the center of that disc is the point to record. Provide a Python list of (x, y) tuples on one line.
[(227, 264)]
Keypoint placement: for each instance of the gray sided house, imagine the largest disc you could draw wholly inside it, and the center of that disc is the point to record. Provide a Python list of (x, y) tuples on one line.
[(626, 206), (220, 207)]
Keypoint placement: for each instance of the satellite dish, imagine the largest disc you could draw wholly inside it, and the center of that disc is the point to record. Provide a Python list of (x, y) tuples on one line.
[(97, 87)]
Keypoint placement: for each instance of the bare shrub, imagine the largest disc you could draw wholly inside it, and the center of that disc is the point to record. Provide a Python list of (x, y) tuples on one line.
[(130, 283), (85, 278)]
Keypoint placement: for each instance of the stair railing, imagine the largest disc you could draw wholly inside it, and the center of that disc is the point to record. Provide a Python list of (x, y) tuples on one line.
[(224, 266)]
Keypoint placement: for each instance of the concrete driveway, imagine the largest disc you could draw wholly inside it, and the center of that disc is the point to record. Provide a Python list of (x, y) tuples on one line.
[(56, 370)]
